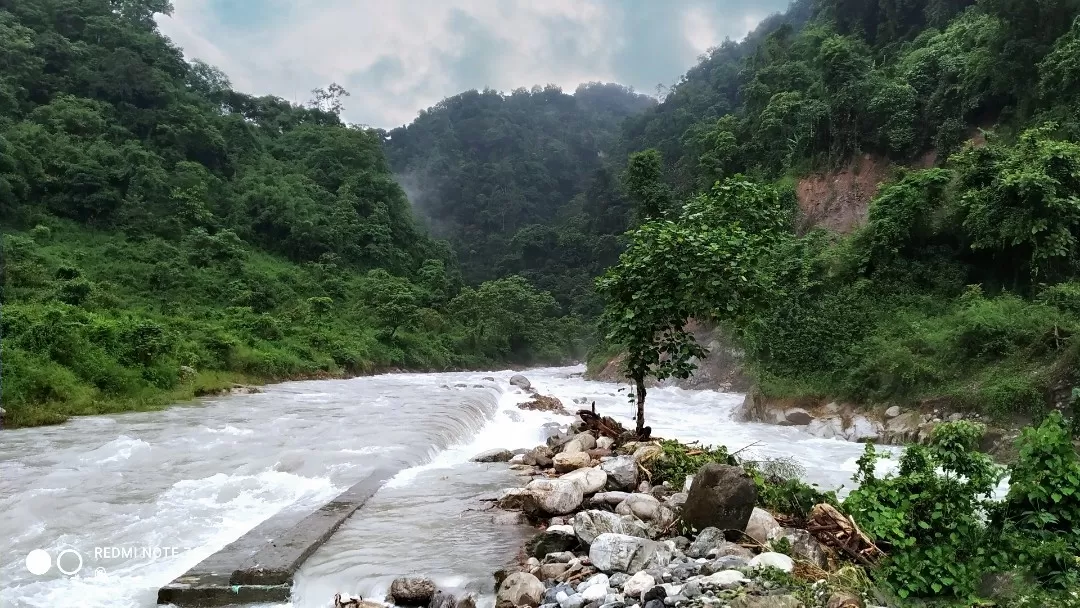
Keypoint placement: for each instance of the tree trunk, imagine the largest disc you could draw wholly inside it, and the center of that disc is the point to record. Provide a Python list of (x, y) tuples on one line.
[(639, 389)]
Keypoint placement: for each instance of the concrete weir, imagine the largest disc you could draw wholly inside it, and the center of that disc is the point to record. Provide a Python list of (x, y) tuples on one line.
[(259, 566)]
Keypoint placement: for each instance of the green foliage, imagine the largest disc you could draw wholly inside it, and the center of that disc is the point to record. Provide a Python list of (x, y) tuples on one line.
[(929, 515), (1041, 513), (1022, 203), (680, 460), (645, 183), (699, 264), (156, 219), (790, 496)]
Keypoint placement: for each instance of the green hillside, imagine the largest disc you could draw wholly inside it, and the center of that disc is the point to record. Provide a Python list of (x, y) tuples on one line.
[(165, 235)]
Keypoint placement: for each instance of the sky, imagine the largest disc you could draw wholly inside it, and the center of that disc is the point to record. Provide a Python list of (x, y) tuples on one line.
[(396, 57)]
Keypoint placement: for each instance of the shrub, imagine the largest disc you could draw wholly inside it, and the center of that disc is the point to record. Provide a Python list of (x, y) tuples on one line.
[(1041, 513), (930, 515), (680, 460)]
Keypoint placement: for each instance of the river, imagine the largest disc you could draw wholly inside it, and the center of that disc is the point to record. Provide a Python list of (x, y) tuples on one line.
[(140, 498)]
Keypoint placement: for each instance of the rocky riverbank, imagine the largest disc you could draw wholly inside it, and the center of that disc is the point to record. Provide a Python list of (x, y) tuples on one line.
[(614, 535), (620, 527), (612, 539)]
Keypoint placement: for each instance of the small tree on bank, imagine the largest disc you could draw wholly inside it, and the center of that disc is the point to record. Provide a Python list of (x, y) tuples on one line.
[(700, 265)]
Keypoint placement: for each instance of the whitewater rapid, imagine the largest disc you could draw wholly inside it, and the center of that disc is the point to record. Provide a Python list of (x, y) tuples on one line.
[(197, 476)]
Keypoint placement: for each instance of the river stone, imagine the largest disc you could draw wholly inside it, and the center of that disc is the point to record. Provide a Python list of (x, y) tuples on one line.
[(724, 578), (844, 599), (622, 472), (826, 428), (552, 497), (804, 545), (765, 601), (552, 571), (595, 593), (638, 584), (539, 456), (605, 443), (721, 496), (520, 589), (707, 540), (551, 596), (582, 442), (770, 559), (569, 461), (552, 540), (797, 416), (762, 526), (561, 557), (623, 553), (642, 506), (892, 412), (521, 382), (590, 524), (591, 480), (727, 562), (496, 455), (570, 601), (596, 579), (676, 500), (863, 429), (412, 591), (608, 498)]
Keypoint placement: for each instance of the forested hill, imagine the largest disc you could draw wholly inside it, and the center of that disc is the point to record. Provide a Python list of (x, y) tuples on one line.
[(956, 284), (165, 235), (832, 79), (520, 183)]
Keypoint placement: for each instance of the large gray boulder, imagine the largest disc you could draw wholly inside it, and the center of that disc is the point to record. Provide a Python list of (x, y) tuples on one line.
[(797, 416), (590, 524), (519, 589), (762, 526), (496, 455), (591, 480), (623, 553), (721, 496), (622, 472), (521, 382), (412, 591), (552, 497)]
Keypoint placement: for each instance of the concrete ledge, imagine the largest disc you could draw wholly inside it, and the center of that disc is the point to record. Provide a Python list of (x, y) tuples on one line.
[(259, 566)]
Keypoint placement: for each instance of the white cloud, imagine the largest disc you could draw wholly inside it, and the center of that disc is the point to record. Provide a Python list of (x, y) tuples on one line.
[(398, 56)]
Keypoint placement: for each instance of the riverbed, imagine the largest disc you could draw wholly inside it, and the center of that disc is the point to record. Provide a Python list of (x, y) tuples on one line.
[(140, 498)]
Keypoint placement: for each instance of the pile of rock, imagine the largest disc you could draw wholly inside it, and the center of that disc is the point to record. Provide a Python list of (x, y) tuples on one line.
[(421, 591), (611, 540)]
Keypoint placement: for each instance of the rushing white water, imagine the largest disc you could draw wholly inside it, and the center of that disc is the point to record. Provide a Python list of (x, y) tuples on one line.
[(191, 479)]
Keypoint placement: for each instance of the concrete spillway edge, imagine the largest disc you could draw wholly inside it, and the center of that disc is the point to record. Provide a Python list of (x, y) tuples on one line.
[(259, 566)]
